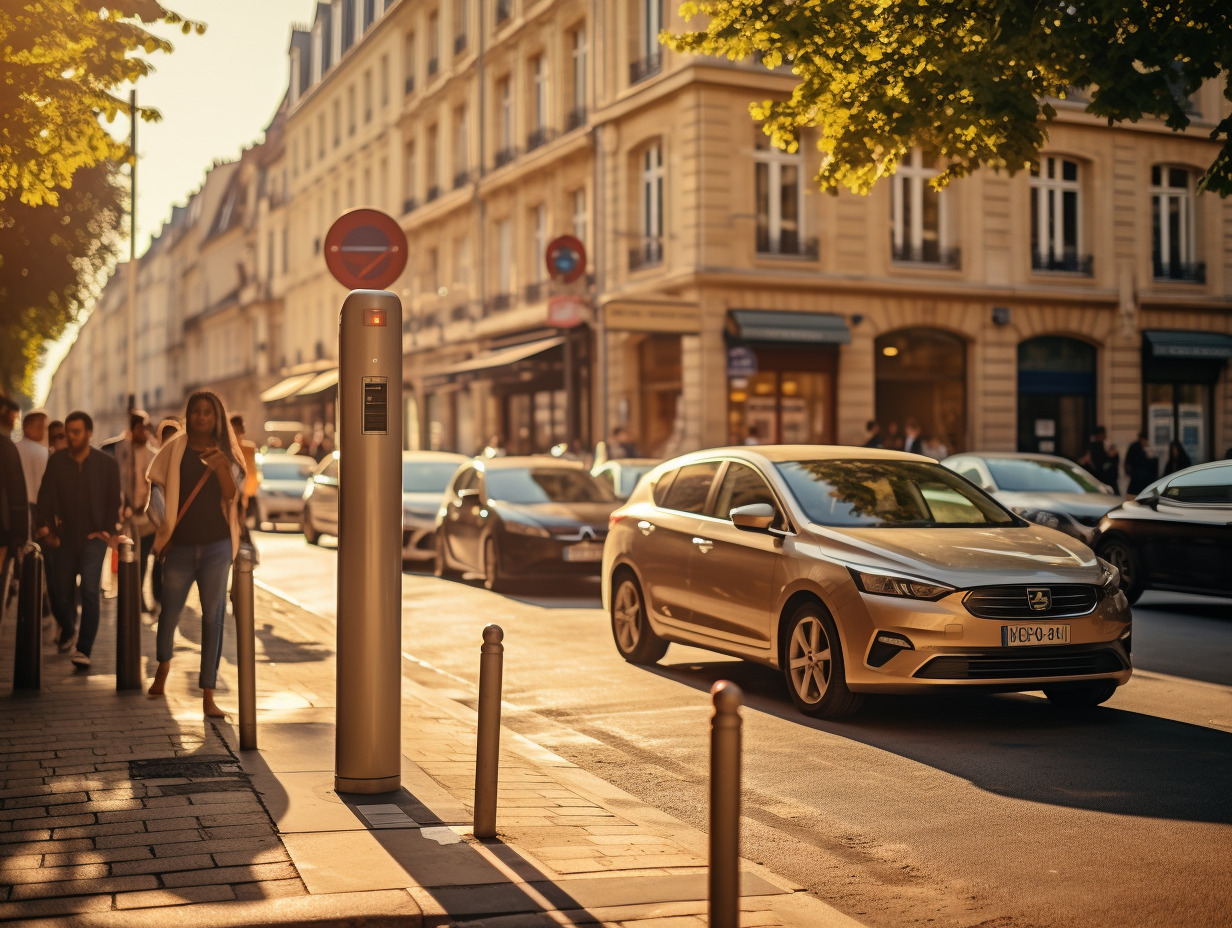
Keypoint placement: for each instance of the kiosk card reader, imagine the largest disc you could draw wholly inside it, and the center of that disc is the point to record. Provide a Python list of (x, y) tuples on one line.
[(368, 746)]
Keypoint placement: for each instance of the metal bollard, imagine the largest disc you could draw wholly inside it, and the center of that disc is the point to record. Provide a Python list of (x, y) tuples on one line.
[(725, 805), (487, 747), (246, 648), (128, 619), (28, 649)]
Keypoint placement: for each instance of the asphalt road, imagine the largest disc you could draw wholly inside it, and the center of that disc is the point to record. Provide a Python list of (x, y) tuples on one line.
[(998, 812)]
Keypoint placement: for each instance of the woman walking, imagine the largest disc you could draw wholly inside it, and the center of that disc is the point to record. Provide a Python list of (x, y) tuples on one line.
[(195, 480)]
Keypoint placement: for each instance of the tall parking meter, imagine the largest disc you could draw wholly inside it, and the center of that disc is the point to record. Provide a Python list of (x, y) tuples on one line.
[(368, 749)]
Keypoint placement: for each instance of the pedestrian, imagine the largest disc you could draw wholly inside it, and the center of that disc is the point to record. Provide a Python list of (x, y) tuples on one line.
[(14, 506), (495, 447), (893, 439), (248, 493), (8, 416), (1178, 458), (32, 449), (752, 435), (1141, 466), (1102, 459), (913, 442), (621, 445), (56, 439), (933, 446), (78, 512), (134, 453), (168, 427), (196, 479), (872, 435)]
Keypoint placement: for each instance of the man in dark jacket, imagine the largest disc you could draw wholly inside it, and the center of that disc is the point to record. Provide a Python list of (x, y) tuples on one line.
[(14, 512), (78, 510)]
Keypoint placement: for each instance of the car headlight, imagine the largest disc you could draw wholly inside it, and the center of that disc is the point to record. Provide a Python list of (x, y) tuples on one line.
[(527, 528), (1043, 517), (1110, 581), (888, 585)]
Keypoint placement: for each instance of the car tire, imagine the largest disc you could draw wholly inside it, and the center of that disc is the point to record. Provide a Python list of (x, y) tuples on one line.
[(813, 665), (440, 565), (1120, 554), (492, 579), (1080, 695), (635, 639), (310, 534)]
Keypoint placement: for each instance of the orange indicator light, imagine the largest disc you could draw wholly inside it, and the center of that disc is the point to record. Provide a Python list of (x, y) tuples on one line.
[(374, 317)]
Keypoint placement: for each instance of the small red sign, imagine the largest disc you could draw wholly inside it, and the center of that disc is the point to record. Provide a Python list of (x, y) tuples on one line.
[(566, 311), (365, 249), (566, 258)]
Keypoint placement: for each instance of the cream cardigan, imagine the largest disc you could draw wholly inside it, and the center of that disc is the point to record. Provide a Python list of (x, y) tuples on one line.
[(164, 473)]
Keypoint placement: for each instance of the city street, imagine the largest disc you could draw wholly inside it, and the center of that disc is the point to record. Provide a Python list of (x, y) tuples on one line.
[(995, 811)]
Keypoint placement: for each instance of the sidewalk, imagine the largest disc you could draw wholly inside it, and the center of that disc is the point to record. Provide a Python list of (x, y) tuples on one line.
[(114, 807)]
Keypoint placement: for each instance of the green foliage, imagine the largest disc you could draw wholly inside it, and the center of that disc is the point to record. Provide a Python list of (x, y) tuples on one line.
[(968, 79), (63, 61)]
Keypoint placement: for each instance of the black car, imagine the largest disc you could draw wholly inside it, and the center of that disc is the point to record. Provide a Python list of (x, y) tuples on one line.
[(507, 518), (1175, 535)]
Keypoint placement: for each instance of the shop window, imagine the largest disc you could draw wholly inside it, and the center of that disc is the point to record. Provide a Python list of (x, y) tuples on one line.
[(921, 375), (1056, 395)]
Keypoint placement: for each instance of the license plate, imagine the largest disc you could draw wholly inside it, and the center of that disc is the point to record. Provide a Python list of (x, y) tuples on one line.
[(1028, 634), (586, 551)]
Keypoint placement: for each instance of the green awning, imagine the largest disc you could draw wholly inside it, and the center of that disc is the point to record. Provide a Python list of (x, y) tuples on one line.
[(1189, 346), (760, 325)]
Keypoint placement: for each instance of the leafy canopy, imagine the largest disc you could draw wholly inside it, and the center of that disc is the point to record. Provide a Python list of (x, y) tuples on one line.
[(63, 61), (968, 79)]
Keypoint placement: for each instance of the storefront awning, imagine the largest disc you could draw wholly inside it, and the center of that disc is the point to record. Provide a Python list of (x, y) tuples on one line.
[(1205, 346), (504, 356), (759, 325), (284, 388), (319, 382)]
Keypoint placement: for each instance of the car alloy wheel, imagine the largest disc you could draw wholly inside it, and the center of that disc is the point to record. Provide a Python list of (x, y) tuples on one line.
[(310, 534), (635, 640), (1119, 553), (813, 665), (491, 566)]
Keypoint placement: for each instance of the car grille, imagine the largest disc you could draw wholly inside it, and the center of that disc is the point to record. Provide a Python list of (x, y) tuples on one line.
[(1015, 602), (1023, 663)]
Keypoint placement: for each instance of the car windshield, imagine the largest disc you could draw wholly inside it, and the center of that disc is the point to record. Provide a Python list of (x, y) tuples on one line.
[(1023, 475), (546, 485), (629, 476), (881, 493), (427, 476), (286, 470)]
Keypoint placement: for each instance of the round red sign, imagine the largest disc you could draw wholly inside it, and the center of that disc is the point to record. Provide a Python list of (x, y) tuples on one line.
[(566, 258), (365, 249)]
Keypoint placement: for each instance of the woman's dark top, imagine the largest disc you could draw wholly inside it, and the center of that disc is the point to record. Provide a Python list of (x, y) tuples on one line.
[(204, 522)]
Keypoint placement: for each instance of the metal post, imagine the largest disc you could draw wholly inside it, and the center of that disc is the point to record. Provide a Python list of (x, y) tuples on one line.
[(28, 650), (246, 648), (487, 746), (128, 620), (725, 805)]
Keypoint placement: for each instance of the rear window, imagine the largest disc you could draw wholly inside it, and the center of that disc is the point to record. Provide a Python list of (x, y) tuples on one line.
[(690, 487), (1211, 485)]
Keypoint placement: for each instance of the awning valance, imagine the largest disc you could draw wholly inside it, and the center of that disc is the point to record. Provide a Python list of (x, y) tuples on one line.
[(1188, 346), (319, 382), (503, 356), (760, 325), (284, 388)]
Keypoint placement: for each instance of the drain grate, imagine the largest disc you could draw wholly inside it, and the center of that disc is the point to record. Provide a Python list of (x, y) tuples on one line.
[(201, 767)]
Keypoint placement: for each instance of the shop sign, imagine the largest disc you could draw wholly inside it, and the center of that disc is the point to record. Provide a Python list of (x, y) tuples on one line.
[(741, 361), (566, 310), (365, 249)]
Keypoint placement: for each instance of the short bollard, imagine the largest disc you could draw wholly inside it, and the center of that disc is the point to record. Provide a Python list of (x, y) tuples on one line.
[(725, 805), (28, 647), (128, 619), (487, 747), (246, 648)]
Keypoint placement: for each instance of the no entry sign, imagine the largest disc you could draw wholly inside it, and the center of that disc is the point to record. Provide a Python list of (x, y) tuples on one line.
[(365, 250)]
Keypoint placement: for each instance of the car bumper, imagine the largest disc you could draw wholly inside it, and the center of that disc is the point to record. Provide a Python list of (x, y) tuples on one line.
[(286, 509), (548, 557)]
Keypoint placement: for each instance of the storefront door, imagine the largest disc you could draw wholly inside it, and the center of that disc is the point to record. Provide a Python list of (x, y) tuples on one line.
[(790, 400), (922, 376), (1056, 395)]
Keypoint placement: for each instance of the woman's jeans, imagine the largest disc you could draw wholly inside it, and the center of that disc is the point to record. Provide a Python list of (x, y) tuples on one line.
[(209, 566)]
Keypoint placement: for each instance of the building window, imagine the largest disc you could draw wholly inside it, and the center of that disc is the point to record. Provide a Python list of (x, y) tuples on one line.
[(918, 220), (320, 136), (577, 112), (1173, 249), (408, 202), (504, 258), (434, 42), (384, 79), (579, 214), (780, 200), (348, 24), (1056, 217), (408, 62), (650, 210), (505, 151), (337, 122), (539, 103), (649, 59), (461, 148), (504, 9), (351, 110), (369, 13), (317, 53), (434, 164), (462, 12), (539, 242), (368, 96)]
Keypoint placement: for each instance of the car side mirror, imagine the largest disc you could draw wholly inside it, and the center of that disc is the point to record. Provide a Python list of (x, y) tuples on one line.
[(1151, 500), (755, 517), (468, 497)]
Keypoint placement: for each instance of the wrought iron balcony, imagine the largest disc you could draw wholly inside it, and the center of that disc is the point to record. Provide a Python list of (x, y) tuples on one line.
[(459, 313), (645, 68), (538, 138), (534, 292), (574, 118), (409, 204), (504, 156), (433, 192), (409, 84), (434, 65), (1174, 270), (648, 254), (504, 9), (787, 243), (497, 303), (927, 253), (459, 43), (1068, 262), (461, 179)]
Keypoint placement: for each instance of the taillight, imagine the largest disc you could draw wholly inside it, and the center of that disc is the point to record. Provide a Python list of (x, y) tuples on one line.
[(614, 518)]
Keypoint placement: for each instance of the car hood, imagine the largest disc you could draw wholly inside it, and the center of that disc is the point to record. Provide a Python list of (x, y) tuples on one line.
[(965, 557), (1091, 505), (561, 515)]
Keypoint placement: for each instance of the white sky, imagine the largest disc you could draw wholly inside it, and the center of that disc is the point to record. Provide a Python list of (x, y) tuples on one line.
[(216, 93)]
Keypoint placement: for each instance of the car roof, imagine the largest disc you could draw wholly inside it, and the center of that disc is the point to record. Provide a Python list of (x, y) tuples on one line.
[(1011, 456), (434, 456), (776, 453), (509, 462)]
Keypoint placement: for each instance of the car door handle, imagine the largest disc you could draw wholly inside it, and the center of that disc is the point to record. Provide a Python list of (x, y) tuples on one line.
[(703, 544), (645, 527)]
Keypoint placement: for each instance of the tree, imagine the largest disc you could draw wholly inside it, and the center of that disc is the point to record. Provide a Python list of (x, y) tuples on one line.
[(63, 62), (969, 79)]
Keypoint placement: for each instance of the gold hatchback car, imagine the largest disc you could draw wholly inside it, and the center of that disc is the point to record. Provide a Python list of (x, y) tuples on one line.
[(855, 571)]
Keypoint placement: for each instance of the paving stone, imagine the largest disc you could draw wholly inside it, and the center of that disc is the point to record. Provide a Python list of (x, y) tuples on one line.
[(162, 864), (97, 855), (240, 831), (251, 874), (272, 853), (113, 884), (51, 847), (165, 897), (153, 839), (96, 829), (216, 846), (54, 908), (22, 862), (271, 889), (53, 874)]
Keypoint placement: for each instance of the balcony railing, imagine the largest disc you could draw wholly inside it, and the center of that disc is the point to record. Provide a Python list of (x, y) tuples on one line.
[(497, 303), (504, 9), (787, 243), (433, 192), (461, 179), (434, 65), (1172, 270), (1067, 262), (409, 84), (409, 204), (574, 118), (927, 253), (538, 138), (459, 43), (504, 156), (645, 68), (534, 292), (648, 254), (459, 313)]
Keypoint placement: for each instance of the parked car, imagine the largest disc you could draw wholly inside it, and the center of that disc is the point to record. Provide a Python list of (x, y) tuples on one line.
[(622, 474), (1042, 488), (1175, 535), (282, 479), (425, 474), (858, 571), (510, 518)]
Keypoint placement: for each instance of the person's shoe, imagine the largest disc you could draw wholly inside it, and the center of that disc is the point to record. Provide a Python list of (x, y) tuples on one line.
[(80, 661), (65, 640)]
